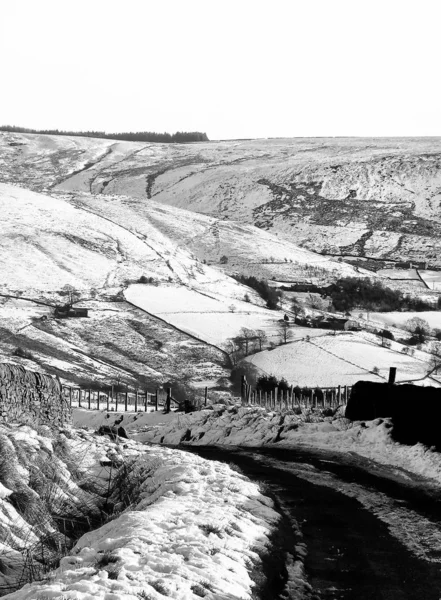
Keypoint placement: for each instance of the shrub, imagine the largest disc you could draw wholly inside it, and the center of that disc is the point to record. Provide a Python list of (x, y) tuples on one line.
[(22, 353), (210, 528), (267, 383), (318, 393), (271, 295), (387, 334), (107, 558), (200, 589), (144, 279), (223, 260)]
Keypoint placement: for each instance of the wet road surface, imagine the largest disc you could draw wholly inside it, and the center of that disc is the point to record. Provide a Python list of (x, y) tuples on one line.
[(371, 532)]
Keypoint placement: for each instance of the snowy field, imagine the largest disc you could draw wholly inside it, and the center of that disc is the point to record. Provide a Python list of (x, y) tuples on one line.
[(409, 274), (432, 279), (209, 318), (342, 359)]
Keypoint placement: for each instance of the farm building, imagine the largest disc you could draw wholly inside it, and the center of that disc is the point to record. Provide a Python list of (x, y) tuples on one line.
[(67, 311)]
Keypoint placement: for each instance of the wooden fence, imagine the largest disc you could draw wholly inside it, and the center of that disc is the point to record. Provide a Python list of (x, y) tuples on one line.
[(111, 400), (144, 401), (289, 399)]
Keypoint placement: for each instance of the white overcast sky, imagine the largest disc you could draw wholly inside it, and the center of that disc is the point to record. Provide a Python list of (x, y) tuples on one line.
[(234, 69)]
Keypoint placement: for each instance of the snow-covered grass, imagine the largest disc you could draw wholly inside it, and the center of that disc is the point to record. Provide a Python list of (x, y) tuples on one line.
[(214, 319), (189, 528), (431, 278), (342, 359), (409, 274)]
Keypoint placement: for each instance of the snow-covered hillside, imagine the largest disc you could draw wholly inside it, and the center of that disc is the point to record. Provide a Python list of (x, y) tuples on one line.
[(98, 246), (343, 196), (327, 360), (96, 217)]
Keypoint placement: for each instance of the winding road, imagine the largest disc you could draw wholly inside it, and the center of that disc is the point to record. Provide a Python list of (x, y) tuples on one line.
[(363, 530)]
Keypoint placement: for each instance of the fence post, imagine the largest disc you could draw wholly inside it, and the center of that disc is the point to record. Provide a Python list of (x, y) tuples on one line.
[(339, 395), (79, 397), (276, 393), (70, 396), (125, 400), (243, 384), (116, 401), (392, 375), (108, 396), (345, 394), (206, 395), (88, 399), (98, 400), (156, 398), (146, 401), (313, 399), (136, 400)]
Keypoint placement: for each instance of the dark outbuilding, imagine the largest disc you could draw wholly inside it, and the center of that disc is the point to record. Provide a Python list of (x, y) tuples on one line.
[(415, 410)]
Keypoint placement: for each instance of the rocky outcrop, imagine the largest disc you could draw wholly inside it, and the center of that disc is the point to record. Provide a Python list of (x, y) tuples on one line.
[(32, 398)]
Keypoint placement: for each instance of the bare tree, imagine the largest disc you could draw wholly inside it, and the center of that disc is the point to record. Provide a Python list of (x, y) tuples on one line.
[(72, 294), (419, 328), (297, 308), (284, 331), (243, 340), (435, 359), (261, 337)]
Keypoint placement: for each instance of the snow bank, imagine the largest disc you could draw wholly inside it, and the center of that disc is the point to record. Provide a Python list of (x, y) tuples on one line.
[(196, 529), (254, 427)]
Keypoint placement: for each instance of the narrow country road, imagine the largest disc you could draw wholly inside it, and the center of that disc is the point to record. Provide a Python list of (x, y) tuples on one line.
[(371, 532)]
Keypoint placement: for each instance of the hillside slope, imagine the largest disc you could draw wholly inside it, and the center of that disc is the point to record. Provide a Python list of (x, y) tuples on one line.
[(343, 196), (97, 247)]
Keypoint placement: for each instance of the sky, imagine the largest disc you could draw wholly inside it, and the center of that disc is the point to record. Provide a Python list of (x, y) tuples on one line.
[(230, 68)]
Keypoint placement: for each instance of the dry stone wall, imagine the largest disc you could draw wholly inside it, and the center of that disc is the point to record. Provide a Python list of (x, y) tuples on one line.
[(31, 397)]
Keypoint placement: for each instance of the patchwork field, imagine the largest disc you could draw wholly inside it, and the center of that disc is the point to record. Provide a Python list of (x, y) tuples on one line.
[(93, 218), (342, 359), (213, 319)]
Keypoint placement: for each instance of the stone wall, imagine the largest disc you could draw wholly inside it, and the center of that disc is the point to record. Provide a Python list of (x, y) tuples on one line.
[(31, 397)]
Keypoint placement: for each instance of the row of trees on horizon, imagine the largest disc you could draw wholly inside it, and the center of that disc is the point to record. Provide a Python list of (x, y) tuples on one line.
[(180, 137)]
